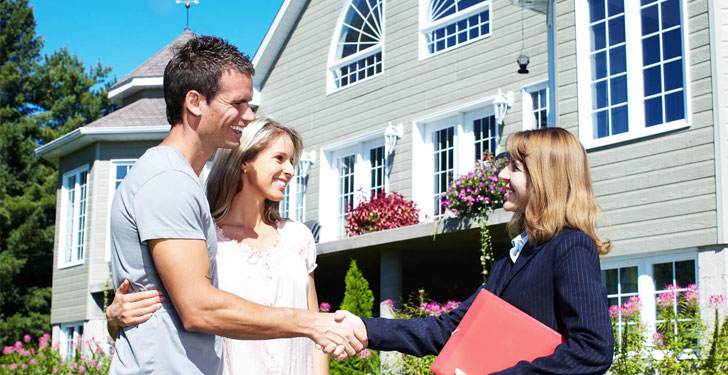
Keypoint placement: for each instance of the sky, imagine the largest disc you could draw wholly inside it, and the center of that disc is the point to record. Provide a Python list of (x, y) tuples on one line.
[(122, 34)]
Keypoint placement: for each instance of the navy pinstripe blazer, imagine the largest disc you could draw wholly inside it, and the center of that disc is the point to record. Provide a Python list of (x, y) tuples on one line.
[(557, 282)]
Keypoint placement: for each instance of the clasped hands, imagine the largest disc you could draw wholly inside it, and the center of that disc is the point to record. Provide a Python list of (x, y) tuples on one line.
[(341, 335)]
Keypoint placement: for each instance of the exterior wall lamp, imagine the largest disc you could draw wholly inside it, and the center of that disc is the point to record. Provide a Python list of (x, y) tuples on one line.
[(304, 165), (391, 135), (501, 103)]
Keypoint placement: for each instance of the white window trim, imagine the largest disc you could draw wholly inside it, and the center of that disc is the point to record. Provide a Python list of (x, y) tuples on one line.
[(63, 348), (292, 187), (112, 191), (427, 26), (634, 65), (645, 282), (64, 225), (464, 139), (527, 109), (335, 63), (328, 178)]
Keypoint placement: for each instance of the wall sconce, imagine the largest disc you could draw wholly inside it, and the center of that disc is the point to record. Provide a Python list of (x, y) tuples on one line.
[(304, 165), (523, 61), (391, 135), (501, 103)]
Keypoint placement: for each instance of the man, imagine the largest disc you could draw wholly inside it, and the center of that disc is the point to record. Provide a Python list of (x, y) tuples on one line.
[(163, 235)]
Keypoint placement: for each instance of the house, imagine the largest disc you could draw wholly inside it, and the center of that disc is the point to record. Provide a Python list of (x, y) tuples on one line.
[(638, 82), (92, 161)]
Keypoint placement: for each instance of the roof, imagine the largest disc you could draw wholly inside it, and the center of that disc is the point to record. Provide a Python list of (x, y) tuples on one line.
[(142, 112), (143, 120), (149, 73)]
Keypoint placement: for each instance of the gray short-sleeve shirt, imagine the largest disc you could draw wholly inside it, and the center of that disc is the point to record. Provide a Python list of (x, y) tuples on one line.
[(161, 197)]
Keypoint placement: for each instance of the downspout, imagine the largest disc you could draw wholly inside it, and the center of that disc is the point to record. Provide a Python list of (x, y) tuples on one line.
[(552, 56), (720, 140)]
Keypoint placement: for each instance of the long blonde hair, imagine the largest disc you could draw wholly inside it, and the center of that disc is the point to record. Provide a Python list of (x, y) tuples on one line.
[(560, 193), (226, 177)]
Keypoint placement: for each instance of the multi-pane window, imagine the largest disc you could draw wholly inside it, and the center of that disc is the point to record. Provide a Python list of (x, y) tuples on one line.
[(293, 203), (346, 189), (450, 23), (486, 136), (671, 282), (621, 284), (120, 171), (283, 206), (662, 61), (635, 83), (356, 53), (609, 68), (376, 170), (71, 339), (540, 108), (444, 165), (75, 191)]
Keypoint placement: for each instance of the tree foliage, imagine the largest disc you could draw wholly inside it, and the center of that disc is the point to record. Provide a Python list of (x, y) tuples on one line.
[(41, 98)]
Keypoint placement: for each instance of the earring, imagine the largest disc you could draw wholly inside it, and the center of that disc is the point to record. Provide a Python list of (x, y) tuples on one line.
[(245, 171)]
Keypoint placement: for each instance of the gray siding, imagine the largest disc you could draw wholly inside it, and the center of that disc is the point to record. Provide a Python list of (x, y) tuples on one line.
[(295, 92), (657, 193), (70, 284)]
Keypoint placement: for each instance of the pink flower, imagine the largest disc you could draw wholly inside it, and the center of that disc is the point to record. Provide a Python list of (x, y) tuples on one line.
[(33, 361), (364, 353), (715, 302), (98, 367), (74, 365), (13, 366), (324, 307), (614, 311), (8, 349), (667, 299), (631, 307), (55, 369), (658, 339), (18, 345), (388, 302), (98, 349), (692, 294), (23, 366), (81, 370), (26, 339)]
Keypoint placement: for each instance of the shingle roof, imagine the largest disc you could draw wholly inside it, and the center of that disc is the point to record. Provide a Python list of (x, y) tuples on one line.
[(142, 112), (154, 67)]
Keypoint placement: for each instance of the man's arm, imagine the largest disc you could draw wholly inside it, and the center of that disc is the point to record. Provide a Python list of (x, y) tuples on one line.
[(184, 268)]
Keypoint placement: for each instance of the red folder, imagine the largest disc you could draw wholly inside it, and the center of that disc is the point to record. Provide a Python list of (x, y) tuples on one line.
[(493, 336)]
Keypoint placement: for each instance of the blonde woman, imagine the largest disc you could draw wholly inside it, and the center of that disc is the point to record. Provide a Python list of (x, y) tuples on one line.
[(260, 256), (552, 272)]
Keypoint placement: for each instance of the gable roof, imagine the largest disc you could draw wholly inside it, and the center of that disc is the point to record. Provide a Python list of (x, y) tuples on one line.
[(150, 73), (273, 43)]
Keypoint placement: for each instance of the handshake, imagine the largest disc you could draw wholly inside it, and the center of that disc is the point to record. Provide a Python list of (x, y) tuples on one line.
[(340, 335)]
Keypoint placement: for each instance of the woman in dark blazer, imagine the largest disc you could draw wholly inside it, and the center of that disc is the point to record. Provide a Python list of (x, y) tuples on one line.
[(552, 273)]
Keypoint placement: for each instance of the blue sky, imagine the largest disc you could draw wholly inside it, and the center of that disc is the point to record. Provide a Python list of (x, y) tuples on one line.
[(123, 34)]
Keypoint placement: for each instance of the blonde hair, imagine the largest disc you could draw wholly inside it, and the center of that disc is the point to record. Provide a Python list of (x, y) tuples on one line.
[(226, 177), (560, 193)]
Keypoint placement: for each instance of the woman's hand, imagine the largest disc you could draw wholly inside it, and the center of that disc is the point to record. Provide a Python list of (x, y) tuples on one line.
[(132, 308)]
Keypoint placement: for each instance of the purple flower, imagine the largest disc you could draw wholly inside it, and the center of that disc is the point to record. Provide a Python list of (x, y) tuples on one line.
[(324, 307)]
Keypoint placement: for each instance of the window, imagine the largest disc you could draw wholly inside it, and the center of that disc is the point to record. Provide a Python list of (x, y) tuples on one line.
[(535, 106), (356, 49), (377, 170), (71, 339), (119, 170), (671, 279), (635, 84), (73, 213), (621, 283), (446, 24), (292, 206), (648, 277), (444, 168), (345, 165), (350, 172), (456, 139)]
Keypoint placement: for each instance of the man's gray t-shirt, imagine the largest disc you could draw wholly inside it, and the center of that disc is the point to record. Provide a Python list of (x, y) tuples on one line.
[(161, 197)]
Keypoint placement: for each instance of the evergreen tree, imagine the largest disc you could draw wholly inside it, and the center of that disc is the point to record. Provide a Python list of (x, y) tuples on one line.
[(41, 98), (359, 300)]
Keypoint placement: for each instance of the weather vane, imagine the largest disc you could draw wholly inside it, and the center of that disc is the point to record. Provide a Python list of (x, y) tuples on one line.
[(187, 4)]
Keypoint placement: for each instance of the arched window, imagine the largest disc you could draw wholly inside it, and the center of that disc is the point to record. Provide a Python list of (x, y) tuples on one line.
[(356, 49), (445, 24)]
